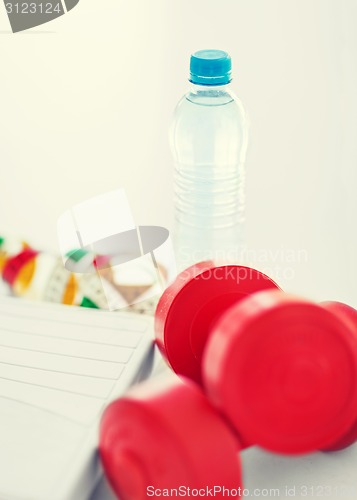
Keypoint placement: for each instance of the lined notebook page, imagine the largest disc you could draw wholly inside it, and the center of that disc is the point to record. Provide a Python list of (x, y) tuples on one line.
[(64, 360), (59, 368)]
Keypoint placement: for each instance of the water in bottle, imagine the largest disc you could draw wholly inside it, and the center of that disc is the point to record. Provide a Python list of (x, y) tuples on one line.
[(208, 142)]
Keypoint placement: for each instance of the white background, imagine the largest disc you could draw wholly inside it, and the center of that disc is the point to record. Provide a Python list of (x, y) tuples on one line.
[(86, 101)]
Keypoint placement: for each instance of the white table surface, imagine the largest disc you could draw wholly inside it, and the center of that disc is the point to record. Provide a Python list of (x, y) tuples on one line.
[(320, 475)]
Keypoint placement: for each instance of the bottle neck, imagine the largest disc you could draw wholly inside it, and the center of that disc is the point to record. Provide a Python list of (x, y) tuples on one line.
[(210, 95), (210, 89)]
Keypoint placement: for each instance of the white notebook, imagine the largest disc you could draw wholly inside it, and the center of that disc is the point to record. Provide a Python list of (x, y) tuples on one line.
[(59, 368)]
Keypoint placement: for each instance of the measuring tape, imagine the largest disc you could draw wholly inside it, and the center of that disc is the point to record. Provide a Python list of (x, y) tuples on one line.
[(36, 275)]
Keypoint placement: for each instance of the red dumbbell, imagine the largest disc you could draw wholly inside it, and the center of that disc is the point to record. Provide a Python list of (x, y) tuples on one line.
[(193, 302), (350, 316), (167, 436), (282, 369)]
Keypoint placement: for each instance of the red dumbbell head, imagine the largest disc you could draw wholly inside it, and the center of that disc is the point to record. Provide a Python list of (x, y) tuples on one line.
[(348, 314), (163, 437), (284, 371), (189, 307)]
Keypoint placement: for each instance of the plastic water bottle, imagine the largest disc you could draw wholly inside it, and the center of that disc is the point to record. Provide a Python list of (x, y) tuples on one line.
[(209, 142)]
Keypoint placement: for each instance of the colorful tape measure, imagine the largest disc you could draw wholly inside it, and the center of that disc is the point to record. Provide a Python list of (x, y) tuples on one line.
[(37, 275)]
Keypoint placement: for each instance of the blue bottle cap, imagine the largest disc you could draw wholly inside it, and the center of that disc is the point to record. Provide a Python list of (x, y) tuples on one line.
[(210, 67)]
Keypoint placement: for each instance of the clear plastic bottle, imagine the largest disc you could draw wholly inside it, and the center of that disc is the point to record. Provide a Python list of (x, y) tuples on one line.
[(208, 143)]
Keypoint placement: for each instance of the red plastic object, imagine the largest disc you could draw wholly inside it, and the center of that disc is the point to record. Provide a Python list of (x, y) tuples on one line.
[(189, 308), (284, 371), (14, 265), (167, 436), (349, 315)]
